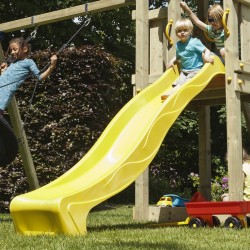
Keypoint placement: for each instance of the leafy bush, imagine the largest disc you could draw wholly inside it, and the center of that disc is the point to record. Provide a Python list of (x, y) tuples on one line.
[(68, 113), (219, 184)]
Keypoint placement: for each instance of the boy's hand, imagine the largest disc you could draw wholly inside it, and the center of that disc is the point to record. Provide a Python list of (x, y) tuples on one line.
[(170, 65), (208, 59)]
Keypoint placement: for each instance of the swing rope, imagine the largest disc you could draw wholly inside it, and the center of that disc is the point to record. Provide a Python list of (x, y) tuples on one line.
[(84, 24)]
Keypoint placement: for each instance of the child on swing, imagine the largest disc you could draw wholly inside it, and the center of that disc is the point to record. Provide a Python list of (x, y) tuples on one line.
[(190, 53), (11, 78), (214, 28)]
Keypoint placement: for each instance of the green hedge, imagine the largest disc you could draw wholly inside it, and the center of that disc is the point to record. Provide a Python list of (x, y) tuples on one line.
[(68, 113)]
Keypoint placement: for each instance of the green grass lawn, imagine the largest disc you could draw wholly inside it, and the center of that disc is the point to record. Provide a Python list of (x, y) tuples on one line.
[(115, 229)]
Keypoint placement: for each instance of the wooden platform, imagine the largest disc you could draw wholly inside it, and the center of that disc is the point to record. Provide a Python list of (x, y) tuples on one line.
[(214, 94), (218, 82), (214, 90)]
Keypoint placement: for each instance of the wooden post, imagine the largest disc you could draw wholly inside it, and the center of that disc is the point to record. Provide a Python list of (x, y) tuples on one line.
[(233, 103), (204, 151), (157, 43), (17, 125), (245, 57), (204, 120), (246, 111), (156, 48), (142, 45), (141, 211), (202, 9)]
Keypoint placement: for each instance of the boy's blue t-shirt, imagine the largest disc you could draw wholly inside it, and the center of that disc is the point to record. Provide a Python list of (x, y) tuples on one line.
[(15, 75), (190, 54)]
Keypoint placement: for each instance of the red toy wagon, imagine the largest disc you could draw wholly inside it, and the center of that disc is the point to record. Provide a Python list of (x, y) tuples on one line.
[(204, 213)]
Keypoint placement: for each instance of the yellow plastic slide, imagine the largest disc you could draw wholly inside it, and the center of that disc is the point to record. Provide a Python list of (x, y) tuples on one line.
[(120, 155)]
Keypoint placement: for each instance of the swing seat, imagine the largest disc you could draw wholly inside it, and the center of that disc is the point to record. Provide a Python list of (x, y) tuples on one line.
[(8, 143)]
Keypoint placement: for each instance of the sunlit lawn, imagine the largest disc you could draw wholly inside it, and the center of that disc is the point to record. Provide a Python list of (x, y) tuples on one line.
[(115, 229)]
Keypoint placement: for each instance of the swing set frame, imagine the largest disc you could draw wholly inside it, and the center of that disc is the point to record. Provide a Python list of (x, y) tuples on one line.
[(232, 90)]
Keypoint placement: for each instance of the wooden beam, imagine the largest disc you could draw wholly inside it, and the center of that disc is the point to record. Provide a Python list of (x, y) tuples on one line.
[(160, 13), (243, 83), (151, 78), (246, 2), (244, 66), (210, 94), (194, 105), (64, 14)]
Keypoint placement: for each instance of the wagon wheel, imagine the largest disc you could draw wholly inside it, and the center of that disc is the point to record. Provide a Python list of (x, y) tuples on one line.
[(216, 221), (196, 223), (248, 221), (233, 222)]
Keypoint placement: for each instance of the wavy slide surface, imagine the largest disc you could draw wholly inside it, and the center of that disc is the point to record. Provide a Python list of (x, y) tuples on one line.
[(120, 155)]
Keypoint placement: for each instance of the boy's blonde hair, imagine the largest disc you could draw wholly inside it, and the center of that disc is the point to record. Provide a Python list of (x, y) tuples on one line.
[(216, 12), (184, 23)]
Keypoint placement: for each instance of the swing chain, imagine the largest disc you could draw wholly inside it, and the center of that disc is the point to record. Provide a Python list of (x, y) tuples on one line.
[(85, 24), (32, 35), (87, 21)]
